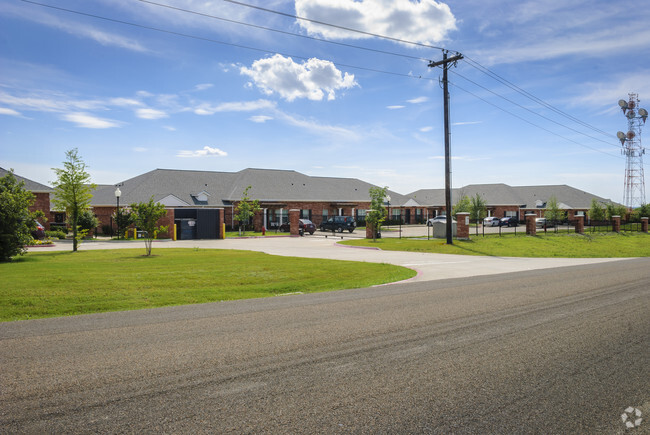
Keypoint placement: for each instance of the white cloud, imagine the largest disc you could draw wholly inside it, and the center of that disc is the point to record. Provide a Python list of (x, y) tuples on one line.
[(150, 114), (418, 100), (86, 120), (205, 152), (203, 86), (260, 118), (395, 107), (238, 106), (11, 112), (140, 149), (423, 21), (467, 123), (169, 128), (312, 79), (425, 129)]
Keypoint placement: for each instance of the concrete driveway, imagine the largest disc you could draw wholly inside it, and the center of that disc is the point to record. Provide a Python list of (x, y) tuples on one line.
[(429, 266)]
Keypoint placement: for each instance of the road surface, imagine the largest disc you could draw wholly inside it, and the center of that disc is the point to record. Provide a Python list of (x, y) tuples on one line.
[(562, 350)]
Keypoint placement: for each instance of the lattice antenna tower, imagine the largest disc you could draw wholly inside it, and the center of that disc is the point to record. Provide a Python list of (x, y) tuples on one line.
[(633, 151)]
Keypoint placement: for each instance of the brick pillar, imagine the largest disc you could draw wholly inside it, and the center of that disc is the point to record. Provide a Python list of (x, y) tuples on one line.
[(580, 224), (462, 228), (531, 229), (616, 224), (221, 231), (294, 216), (369, 231), (644, 224), (258, 220)]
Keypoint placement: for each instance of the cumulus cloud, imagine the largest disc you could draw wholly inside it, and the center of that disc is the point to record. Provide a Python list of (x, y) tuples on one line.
[(150, 114), (312, 79), (205, 152), (423, 21), (86, 120)]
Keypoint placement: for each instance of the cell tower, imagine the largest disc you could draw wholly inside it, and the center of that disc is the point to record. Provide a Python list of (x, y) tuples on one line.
[(633, 151)]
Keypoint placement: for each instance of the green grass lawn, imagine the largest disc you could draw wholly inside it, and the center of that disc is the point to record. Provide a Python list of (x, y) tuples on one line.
[(549, 245), (49, 284)]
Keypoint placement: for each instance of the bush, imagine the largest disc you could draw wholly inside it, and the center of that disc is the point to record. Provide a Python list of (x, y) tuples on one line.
[(56, 234)]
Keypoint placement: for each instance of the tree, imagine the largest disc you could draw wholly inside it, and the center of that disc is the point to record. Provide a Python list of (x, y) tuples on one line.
[(642, 211), (464, 204), (16, 221), (72, 190), (477, 209), (597, 211), (145, 217), (87, 222), (245, 210), (553, 212), (612, 209), (377, 213), (122, 220)]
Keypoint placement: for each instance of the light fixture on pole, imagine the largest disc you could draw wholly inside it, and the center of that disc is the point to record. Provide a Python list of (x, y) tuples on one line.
[(118, 193)]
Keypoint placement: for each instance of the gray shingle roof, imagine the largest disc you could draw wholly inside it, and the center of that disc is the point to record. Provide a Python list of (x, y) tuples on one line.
[(268, 185), (30, 185)]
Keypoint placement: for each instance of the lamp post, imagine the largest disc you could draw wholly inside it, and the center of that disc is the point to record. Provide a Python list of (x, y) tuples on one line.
[(118, 193), (388, 212)]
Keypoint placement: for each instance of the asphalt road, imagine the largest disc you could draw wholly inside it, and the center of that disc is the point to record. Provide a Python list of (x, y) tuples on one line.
[(562, 350)]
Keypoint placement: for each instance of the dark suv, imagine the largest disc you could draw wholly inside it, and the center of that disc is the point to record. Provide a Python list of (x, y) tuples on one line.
[(339, 223)]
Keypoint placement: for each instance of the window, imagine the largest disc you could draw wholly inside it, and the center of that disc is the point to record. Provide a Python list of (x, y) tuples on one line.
[(305, 214), (361, 213), (325, 214)]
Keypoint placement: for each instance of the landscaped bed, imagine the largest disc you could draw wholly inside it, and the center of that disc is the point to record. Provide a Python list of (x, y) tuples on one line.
[(542, 245), (49, 284)]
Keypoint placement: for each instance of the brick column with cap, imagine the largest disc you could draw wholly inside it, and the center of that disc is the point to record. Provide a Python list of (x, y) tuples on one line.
[(580, 224), (531, 228), (616, 224), (462, 226), (294, 216), (644, 224)]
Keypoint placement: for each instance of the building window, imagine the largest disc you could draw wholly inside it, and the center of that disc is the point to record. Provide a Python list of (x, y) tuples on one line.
[(305, 214)]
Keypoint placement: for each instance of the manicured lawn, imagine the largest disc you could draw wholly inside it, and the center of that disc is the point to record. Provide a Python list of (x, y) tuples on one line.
[(549, 245), (48, 284)]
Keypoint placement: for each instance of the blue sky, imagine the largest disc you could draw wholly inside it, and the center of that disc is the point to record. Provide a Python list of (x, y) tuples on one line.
[(133, 99)]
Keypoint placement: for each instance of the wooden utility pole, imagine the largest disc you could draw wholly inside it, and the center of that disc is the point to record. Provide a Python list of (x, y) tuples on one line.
[(445, 62)]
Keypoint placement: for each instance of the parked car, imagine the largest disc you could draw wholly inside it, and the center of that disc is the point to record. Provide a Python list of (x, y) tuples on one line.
[(39, 232), (339, 223), (491, 221), (304, 224), (440, 218), (508, 222), (543, 222)]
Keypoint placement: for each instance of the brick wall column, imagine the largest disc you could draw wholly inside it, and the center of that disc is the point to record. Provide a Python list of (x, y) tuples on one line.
[(294, 216), (644, 224), (580, 224), (221, 231), (531, 229), (462, 226), (616, 224)]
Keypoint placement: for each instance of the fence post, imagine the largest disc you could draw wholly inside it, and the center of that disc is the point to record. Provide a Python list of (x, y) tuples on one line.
[(644, 224), (616, 224), (462, 229), (531, 229), (580, 224)]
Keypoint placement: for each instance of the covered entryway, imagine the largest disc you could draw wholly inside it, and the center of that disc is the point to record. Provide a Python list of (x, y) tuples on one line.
[(197, 223)]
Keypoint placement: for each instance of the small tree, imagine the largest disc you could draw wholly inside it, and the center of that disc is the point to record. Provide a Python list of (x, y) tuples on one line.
[(123, 219), (612, 209), (597, 211), (245, 210), (642, 211), (72, 190), (477, 209), (87, 222), (377, 213), (553, 212), (464, 204), (16, 222), (145, 217)]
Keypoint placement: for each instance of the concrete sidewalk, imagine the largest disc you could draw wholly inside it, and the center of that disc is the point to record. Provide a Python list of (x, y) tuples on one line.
[(429, 266)]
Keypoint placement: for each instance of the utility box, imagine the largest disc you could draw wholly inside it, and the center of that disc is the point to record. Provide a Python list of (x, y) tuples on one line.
[(440, 230)]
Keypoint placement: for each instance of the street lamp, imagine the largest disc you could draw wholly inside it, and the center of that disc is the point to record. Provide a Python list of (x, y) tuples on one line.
[(118, 193), (388, 208)]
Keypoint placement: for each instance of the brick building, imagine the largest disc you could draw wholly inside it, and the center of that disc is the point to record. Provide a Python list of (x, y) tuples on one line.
[(41, 196)]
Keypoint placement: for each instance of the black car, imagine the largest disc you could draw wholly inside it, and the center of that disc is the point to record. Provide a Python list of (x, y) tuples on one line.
[(339, 223), (304, 224), (508, 222), (39, 232)]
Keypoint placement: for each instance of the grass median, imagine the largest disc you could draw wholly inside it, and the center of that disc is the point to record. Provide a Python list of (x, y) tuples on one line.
[(549, 245), (51, 284)]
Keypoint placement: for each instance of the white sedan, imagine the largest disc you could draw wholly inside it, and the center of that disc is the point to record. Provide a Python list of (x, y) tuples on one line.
[(492, 221)]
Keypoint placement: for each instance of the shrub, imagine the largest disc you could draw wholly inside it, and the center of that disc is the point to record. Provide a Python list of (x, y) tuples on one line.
[(57, 234)]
